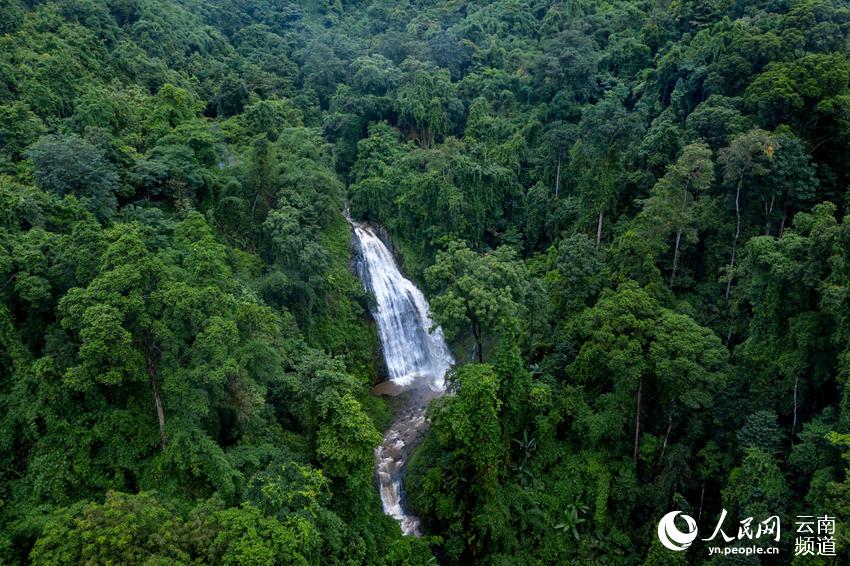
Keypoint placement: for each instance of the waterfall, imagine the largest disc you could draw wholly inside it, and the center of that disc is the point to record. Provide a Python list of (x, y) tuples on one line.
[(414, 356), (416, 359)]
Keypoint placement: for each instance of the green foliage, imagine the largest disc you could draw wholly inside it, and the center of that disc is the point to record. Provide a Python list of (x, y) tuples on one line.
[(466, 431), (124, 529), (671, 215), (630, 345), (479, 291), (761, 431), (423, 104), (70, 165), (632, 211), (757, 487)]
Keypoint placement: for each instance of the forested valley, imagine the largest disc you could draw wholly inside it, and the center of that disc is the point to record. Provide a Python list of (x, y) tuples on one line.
[(629, 218)]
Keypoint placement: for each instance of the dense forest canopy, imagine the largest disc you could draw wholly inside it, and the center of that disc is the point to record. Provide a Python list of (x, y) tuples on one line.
[(629, 217)]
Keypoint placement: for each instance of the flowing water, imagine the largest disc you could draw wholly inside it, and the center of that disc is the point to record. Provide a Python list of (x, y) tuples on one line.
[(416, 360)]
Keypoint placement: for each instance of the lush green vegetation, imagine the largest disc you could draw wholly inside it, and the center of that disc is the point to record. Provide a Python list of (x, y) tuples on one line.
[(629, 217)]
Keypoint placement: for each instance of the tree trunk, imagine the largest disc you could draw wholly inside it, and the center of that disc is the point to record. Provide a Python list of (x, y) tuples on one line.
[(256, 199), (558, 178), (685, 190), (768, 212), (782, 223), (794, 421), (667, 435), (160, 414), (599, 229), (737, 235), (701, 496), (675, 256), (476, 333), (734, 249), (637, 423)]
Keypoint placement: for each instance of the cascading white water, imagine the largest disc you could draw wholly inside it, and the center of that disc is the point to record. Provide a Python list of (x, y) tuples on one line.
[(413, 355), (416, 359)]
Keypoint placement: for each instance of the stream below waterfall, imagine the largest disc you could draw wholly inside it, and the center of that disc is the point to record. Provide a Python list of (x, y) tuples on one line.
[(416, 360)]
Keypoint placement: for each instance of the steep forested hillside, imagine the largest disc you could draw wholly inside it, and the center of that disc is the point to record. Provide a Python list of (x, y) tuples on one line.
[(629, 218)]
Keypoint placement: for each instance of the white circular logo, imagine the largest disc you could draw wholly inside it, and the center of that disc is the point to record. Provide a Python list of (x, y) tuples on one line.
[(671, 537)]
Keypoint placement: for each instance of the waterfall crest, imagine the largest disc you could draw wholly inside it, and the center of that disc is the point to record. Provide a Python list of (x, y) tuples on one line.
[(416, 359)]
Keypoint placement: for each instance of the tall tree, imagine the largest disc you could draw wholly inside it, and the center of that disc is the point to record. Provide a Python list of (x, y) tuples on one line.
[(478, 290), (671, 206), (628, 346), (744, 161), (598, 159)]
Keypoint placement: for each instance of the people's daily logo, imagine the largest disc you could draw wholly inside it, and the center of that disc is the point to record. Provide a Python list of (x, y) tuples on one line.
[(670, 535), (750, 537)]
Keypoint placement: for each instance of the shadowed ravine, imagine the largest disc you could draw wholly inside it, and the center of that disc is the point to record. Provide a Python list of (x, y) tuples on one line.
[(416, 362)]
